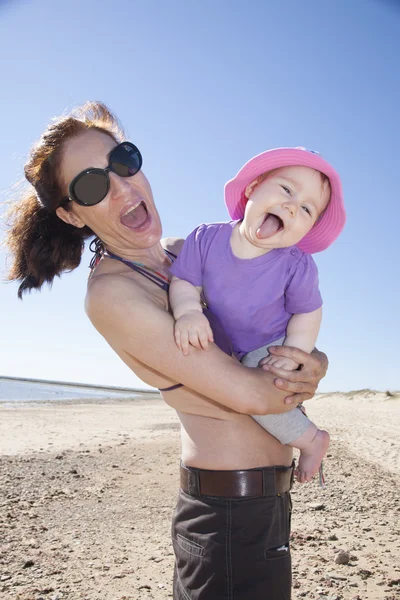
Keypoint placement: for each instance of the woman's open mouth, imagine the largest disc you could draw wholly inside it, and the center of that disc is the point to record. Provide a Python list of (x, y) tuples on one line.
[(135, 215), (271, 225)]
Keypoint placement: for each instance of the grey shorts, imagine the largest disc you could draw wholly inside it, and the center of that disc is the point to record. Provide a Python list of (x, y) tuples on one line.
[(286, 427)]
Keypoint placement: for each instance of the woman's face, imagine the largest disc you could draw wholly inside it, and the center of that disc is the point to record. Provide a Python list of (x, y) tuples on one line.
[(127, 217)]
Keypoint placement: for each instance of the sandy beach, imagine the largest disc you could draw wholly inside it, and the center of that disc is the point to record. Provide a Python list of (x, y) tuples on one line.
[(87, 492)]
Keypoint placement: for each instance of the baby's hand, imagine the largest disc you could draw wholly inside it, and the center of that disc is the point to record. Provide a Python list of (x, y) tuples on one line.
[(280, 362), (193, 328)]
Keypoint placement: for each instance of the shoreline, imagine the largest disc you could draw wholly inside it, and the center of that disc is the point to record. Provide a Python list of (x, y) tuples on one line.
[(52, 382)]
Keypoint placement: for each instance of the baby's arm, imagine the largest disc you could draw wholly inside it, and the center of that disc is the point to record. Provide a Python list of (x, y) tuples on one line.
[(302, 332), (191, 326)]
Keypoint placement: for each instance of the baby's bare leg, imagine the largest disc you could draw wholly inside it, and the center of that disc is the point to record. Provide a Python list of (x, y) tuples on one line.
[(293, 428), (313, 444)]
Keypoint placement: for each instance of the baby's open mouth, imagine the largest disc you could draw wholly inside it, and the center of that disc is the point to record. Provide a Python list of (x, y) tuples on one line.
[(271, 225), (134, 216)]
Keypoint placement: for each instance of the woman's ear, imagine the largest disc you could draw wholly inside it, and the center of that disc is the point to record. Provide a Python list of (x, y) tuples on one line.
[(251, 187), (68, 216)]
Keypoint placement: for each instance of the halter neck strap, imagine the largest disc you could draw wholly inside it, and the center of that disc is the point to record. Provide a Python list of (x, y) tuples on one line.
[(154, 277), (100, 252)]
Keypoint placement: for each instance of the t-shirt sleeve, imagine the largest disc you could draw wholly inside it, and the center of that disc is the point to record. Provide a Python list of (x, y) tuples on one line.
[(302, 293), (189, 264)]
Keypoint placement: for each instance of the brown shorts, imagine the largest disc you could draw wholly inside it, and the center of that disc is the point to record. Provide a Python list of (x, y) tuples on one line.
[(233, 548)]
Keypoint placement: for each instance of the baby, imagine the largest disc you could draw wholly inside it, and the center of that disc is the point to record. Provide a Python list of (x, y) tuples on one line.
[(256, 274)]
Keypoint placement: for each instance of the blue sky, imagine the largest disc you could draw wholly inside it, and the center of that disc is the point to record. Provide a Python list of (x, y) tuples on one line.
[(201, 87)]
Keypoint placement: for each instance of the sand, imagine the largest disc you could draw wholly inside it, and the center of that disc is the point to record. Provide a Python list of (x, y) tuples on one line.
[(87, 493)]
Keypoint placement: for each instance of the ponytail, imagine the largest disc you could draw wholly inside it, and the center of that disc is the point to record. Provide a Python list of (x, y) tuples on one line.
[(42, 245)]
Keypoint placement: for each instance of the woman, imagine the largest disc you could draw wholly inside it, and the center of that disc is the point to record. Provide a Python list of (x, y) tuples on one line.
[(231, 526)]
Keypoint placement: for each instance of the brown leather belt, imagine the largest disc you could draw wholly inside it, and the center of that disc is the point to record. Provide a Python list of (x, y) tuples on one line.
[(249, 483)]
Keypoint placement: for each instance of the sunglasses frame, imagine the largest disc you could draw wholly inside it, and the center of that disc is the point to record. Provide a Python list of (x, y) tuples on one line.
[(94, 170)]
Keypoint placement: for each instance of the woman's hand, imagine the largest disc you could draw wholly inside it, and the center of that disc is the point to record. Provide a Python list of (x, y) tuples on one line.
[(302, 383)]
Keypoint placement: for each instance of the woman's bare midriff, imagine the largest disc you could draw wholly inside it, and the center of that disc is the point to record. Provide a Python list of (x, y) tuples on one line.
[(214, 437), (237, 443)]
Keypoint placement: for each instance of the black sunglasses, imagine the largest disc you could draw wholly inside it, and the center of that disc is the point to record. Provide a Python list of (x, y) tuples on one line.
[(91, 185)]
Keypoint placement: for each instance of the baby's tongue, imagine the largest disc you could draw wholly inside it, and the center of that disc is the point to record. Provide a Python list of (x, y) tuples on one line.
[(135, 218), (269, 227)]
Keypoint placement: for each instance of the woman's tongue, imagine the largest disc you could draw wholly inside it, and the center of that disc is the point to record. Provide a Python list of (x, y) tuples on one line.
[(270, 226), (135, 218)]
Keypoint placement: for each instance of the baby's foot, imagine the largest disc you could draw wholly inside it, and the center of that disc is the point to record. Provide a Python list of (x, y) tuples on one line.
[(311, 456)]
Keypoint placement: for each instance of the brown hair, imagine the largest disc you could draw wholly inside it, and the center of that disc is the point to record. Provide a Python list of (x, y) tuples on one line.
[(42, 246)]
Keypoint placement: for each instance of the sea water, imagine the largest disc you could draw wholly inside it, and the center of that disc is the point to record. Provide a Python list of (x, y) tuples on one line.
[(15, 390)]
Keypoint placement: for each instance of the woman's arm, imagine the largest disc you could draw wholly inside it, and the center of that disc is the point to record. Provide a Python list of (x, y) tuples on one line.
[(136, 325)]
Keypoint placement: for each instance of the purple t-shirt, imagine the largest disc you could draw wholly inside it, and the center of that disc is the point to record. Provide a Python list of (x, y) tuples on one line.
[(253, 298)]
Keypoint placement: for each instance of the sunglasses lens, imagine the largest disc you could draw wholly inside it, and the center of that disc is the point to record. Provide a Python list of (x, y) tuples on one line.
[(91, 188), (126, 160)]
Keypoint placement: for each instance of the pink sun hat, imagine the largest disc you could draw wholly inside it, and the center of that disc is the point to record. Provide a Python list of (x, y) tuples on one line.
[(331, 222)]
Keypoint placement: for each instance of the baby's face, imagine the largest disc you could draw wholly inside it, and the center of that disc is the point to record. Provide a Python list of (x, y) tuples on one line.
[(283, 206)]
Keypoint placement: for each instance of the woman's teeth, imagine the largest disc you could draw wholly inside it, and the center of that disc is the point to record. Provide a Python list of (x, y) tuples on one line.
[(135, 215), (132, 208)]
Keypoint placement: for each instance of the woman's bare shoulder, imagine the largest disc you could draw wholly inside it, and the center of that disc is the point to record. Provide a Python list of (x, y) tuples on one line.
[(172, 244), (110, 293)]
